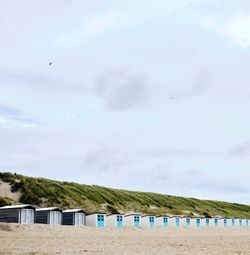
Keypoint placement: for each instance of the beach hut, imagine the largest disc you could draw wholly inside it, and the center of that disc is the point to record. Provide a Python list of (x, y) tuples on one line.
[(231, 222), (185, 221), (74, 217), (174, 222), (115, 220), (97, 219), (49, 215), (223, 222), (148, 221), (246, 222), (162, 221), (196, 222), (215, 222), (206, 222), (133, 220), (23, 214)]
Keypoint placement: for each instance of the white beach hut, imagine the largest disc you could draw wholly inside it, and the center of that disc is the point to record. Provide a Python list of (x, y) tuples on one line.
[(162, 221), (185, 221), (206, 222), (174, 222), (223, 222), (115, 220), (132, 220), (97, 219), (231, 222), (148, 221), (196, 222)]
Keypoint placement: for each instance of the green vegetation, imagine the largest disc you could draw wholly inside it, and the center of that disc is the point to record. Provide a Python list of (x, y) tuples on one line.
[(45, 192)]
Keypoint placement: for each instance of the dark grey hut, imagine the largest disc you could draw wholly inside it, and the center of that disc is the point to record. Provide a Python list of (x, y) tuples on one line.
[(50, 215), (74, 217), (23, 214)]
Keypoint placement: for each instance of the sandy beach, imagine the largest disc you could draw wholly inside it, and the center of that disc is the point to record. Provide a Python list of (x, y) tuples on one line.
[(43, 239)]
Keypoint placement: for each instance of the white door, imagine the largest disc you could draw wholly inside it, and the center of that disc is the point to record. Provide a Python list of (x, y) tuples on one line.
[(27, 216), (55, 218), (79, 219)]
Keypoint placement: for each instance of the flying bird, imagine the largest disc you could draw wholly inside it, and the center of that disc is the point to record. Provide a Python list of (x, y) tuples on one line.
[(50, 63)]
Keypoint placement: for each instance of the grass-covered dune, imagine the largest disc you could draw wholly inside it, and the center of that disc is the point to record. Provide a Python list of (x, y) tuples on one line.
[(45, 192)]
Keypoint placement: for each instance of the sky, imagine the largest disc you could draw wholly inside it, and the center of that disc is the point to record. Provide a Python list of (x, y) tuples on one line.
[(146, 95)]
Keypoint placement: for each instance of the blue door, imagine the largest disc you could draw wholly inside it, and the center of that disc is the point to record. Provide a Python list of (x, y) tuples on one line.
[(188, 222), (119, 221), (225, 222), (177, 222), (240, 222), (136, 221), (100, 220), (233, 222), (151, 221), (216, 221), (207, 222), (198, 223), (165, 221), (247, 222)]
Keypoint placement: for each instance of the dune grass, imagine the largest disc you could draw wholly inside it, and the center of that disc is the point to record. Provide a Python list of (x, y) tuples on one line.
[(45, 192)]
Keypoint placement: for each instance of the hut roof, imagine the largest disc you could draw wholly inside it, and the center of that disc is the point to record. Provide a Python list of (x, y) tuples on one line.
[(73, 210), (148, 215), (49, 209), (96, 213), (132, 214), (17, 207)]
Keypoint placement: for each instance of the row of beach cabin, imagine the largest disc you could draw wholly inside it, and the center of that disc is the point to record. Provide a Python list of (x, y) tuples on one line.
[(28, 214)]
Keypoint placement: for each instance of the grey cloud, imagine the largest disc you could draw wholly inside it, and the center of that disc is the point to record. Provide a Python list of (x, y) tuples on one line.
[(121, 90), (242, 149)]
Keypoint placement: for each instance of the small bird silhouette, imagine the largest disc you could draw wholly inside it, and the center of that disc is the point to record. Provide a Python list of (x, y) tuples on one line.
[(50, 63), (170, 98)]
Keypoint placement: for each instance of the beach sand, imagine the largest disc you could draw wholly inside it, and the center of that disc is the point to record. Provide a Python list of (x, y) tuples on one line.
[(45, 239)]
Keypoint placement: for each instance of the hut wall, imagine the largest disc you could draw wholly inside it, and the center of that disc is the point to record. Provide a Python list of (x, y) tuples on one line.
[(10, 215)]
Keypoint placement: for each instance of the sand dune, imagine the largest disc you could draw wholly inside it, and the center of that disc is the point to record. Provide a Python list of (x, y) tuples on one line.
[(42, 239)]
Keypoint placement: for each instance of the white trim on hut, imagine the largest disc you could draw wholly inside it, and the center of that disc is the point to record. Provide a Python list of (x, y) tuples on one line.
[(148, 221), (97, 219), (115, 220), (133, 220), (162, 221)]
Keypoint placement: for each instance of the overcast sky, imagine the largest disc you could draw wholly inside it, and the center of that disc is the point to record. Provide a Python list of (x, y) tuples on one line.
[(148, 95)]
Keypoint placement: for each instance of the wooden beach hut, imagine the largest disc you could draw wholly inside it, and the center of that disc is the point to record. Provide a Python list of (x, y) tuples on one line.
[(97, 219), (74, 217), (115, 220), (162, 221), (133, 220), (148, 221), (23, 214), (49, 215)]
